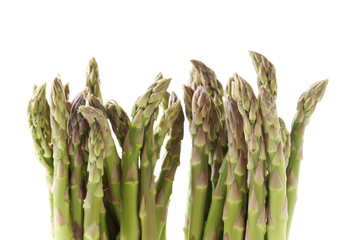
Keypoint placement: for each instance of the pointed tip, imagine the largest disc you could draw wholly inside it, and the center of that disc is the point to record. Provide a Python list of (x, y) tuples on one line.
[(200, 138), (279, 158), (116, 174), (171, 174), (284, 210), (93, 231), (61, 171), (59, 219), (259, 174), (234, 193), (160, 197), (275, 181), (262, 218), (229, 175), (270, 220), (291, 180), (247, 235), (212, 236), (132, 173), (77, 231), (202, 182), (240, 220), (218, 192), (225, 213), (253, 203)]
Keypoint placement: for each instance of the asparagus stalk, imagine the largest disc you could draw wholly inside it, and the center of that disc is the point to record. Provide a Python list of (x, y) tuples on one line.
[(305, 108), (96, 103), (213, 226), (266, 73), (144, 108), (165, 101), (188, 95), (234, 225), (39, 123), (147, 186), (94, 225), (120, 121), (92, 79), (149, 217), (201, 75), (286, 139), (202, 106), (170, 163), (166, 123), (77, 127), (111, 179), (67, 91), (104, 232), (58, 121), (249, 108), (112, 166), (277, 205)]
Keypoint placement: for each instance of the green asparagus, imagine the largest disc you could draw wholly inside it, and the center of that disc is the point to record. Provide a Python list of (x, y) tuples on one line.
[(61, 196), (305, 108)]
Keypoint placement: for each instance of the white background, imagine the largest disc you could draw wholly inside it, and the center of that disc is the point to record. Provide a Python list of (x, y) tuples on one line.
[(306, 42)]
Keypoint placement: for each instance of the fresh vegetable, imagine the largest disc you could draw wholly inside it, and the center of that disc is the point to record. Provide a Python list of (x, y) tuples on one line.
[(93, 193), (244, 161)]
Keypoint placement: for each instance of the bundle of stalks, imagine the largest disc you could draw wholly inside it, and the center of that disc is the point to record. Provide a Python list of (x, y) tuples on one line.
[(244, 162), (95, 192)]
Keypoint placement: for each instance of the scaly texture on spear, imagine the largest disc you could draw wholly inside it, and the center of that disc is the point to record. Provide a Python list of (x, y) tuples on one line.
[(39, 122), (58, 120), (145, 107), (305, 108), (277, 201)]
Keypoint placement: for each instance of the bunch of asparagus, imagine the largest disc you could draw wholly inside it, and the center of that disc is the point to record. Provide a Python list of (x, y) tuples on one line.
[(244, 162), (94, 192)]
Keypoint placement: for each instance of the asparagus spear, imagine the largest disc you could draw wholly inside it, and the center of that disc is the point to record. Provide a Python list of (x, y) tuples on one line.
[(213, 226), (112, 176), (77, 127), (104, 231), (144, 108), (266, 73), (277, 205), (234, 225), (305, 108), (166, 123), (92, 79), (201, 75), (165, 101), (151, 226), (39, 123), (202, 106), (249, 108), (67, 91), (96, 103), (119, 120), (58, 121), (147, 186), (188, 95), (170, 163), (286, 139), (94, 225)]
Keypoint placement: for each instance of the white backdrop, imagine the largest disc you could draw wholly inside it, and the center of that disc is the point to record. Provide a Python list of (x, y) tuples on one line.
[(133, 42)]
